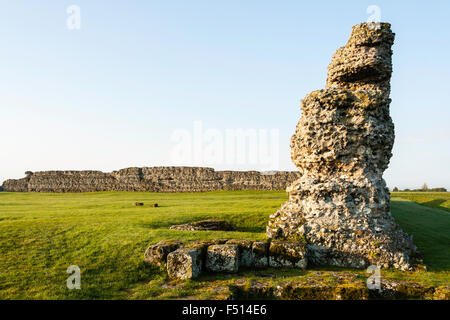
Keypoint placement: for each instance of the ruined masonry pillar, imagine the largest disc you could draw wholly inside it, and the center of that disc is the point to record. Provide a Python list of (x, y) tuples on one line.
[(341, 146)]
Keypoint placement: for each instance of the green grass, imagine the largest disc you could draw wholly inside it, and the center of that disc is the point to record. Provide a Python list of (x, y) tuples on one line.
[(42, 234)]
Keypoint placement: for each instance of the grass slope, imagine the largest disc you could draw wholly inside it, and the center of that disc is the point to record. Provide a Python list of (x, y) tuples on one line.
[(42, 234)]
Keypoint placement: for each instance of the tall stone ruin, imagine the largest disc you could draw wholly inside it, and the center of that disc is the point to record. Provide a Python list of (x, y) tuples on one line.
[(341, 146)]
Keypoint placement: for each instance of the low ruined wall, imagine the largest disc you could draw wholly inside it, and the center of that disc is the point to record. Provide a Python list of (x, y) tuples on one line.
[(16, 185), (156, 179)]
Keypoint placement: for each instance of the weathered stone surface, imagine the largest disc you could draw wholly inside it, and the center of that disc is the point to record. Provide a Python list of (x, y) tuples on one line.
[(287, 254), (203, 245), (214, 290), (261, 289), (205, 225), (157, 254), (344, 286), (304, 290), (245, 251), (311, 289), (184, 263), (341, 146), (218, 292), (260, 250), (16, 185), (392, 289), (240, 288), (245, 289), (365, 62), (156, 179), (414, 290), (172, 284), (222, 258), (352, 291), (442, 293)]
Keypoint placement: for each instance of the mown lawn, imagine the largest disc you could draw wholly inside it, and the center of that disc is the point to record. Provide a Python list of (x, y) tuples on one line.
[(102, 233)]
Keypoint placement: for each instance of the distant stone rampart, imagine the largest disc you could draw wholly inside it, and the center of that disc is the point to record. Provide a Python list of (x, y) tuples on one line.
[(156, 179)]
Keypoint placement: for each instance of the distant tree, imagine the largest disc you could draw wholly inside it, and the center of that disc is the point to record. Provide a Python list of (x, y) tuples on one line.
[(28, 173), (424, 187), (395, 189), (438, 189)]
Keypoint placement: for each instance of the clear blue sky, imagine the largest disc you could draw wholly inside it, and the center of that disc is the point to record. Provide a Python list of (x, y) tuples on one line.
[(111, 94)]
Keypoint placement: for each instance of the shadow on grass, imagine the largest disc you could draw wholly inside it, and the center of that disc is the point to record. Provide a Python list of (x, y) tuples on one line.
[(165, 225), (435, 204), (430, 229), (254, 229)]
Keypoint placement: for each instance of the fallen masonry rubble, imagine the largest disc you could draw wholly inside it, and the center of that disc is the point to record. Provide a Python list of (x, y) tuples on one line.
[(224, 256)]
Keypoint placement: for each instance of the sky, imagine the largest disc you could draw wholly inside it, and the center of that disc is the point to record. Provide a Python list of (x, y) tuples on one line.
[(154, 83)]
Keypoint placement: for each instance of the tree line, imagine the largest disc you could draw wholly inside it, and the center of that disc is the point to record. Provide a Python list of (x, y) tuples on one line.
[(423, 189)]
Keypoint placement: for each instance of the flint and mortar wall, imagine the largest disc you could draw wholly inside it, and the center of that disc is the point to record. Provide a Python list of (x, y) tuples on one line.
[(156, 179)]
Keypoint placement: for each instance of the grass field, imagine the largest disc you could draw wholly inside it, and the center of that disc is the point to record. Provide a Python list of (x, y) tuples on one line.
[(42, 234)]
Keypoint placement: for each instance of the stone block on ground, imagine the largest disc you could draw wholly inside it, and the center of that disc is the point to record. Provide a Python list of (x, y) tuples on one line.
[(245, 251), (157, 254), (203, 245), (222, 258), (260, 250), (287, 254), (184, 263)]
